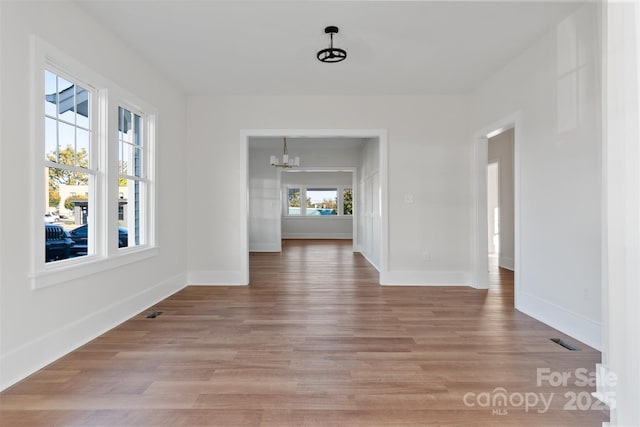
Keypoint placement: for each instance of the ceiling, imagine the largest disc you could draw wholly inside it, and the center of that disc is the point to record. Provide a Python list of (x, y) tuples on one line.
[(268, 47)]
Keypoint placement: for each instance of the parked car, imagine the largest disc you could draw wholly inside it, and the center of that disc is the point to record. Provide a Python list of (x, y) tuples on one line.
[(80, 239), (50, 218), (57, 243)]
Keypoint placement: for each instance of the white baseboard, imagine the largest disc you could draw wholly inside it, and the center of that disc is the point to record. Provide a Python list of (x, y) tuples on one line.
[(265, 247), (216, 278), (369, 260), (575, 325), (506, 262), (426, 278), (25, 360), (340, 236)]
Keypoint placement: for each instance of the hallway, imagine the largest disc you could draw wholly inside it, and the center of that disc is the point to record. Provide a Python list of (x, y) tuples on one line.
[(313, 341)]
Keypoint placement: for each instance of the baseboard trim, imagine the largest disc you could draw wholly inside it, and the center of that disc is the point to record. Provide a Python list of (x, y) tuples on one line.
[(570, 323), (338, 236), (23, 361), (426, 278), (265, 247), (369, 260), (216, 278), (506, 262)]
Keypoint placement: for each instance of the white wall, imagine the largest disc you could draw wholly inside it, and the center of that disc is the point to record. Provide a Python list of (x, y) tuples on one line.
[(37, 326), (554, 85), (264, 202), (317, 227), (368, 197), (501, 150), (428, 158)]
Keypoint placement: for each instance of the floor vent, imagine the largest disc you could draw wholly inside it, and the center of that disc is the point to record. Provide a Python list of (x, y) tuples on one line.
[(565, 344), (154, 314)]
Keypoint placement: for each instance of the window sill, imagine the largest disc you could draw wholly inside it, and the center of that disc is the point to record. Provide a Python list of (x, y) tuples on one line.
[(64, 272)]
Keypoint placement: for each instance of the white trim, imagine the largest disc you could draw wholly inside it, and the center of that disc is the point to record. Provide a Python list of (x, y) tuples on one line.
[(373, 264), (265, 247), (29, 357), (317, 217), (427, 278), (506, 262), (245, 134), (216, 278), (566, 321), (339, 236), (75, 268)]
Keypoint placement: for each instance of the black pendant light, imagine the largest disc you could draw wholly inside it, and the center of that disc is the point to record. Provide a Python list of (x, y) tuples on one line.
[(332, 54)]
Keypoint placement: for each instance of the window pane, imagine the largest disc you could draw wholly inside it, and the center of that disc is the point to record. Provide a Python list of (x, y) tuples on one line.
[(130, 214), (137, 161), (66, 143), (82, 148), (120, 123), (126, 158), (293, 201), (137, 126), (82, 107), (50, 93), (347, 201), (126, 126), (50, 140), (67, 233), (322, 201), (66, 100)]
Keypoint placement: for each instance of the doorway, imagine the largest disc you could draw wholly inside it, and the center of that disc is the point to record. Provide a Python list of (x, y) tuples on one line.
[(376, 158), (497, 231), (500, 200)]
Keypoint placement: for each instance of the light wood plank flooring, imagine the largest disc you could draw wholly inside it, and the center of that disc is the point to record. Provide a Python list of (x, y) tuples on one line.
[(314, 341)]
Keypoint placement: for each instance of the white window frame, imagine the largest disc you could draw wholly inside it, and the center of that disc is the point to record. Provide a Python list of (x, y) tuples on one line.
[(148, 118), (303, 197), (103, 205)]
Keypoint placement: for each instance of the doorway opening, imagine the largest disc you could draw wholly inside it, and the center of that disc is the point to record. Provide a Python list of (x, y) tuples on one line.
[(268, 216), (493, 211), (500, 210), (497, 206)]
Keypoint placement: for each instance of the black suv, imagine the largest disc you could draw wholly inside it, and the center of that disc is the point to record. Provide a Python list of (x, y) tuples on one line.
[(79, 238), (56, 242)]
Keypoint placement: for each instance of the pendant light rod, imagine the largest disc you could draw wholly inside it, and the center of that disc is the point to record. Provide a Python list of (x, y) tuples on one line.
[(331, 54), (286, 162)]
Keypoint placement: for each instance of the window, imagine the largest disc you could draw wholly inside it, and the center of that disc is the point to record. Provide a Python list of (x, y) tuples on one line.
[(293, 201), (68, 166), (93, 154), (347, 201), (132, 179), (319, 201), (322, 201)]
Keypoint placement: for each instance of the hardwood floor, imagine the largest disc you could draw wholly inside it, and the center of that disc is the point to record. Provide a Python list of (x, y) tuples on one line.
[(314, 341)]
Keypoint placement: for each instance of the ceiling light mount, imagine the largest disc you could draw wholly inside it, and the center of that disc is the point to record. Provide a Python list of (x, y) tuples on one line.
[(331, 54), (287, 162)]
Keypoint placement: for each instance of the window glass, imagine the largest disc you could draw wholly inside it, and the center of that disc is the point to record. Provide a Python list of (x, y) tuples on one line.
[(322, 201), (67, 144), (293, 201), (131, 179), (347, 201)]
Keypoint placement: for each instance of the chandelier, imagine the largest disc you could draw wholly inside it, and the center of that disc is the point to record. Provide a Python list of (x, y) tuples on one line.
[(286, 161), (332, 54)]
